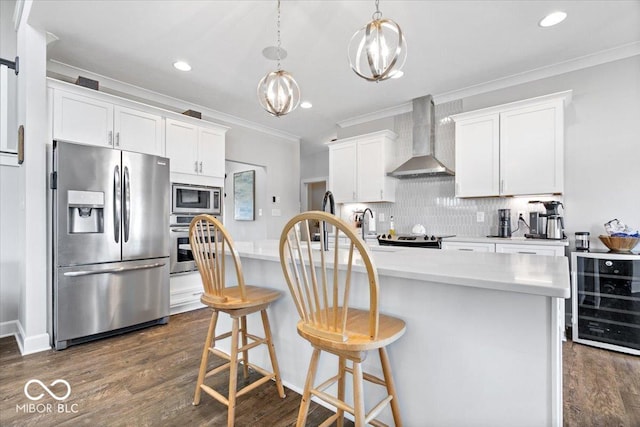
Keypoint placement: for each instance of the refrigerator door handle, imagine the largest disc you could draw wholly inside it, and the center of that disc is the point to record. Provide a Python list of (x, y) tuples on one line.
[(114, 270), (127, 204), (116, 203)]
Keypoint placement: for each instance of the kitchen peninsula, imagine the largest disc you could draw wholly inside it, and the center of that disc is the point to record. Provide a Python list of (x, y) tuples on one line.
[(483, 340)]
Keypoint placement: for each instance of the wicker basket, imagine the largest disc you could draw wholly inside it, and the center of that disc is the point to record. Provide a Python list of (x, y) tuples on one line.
[(620, 244)]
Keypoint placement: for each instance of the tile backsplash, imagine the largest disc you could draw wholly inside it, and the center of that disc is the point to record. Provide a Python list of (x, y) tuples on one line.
[(430, 201)]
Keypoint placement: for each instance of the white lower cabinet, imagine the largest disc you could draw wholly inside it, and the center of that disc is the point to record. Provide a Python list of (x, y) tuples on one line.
[(530, 249), (185, 292), (507, 248), (469, 246)]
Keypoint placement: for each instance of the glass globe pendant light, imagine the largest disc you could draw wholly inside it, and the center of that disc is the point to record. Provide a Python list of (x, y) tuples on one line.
[(378, 50), (278, 91)]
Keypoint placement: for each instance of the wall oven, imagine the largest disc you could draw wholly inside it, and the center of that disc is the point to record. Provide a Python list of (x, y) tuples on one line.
[(189, 199), (181, 258)]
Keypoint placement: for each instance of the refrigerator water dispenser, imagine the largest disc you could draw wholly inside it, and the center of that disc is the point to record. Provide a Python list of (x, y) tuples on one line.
[(86, 211)]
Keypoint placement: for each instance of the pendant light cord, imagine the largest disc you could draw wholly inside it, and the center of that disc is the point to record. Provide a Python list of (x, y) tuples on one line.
[(279, 67), (377, 14)]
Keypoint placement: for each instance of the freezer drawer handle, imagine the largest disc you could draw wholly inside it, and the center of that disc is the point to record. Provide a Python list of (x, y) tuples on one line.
[(114, 270)]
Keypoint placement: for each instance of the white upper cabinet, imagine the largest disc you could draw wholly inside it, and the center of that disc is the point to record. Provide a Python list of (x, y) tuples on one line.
[(358, 168), (342, 171), (82, 119), (137, 131), (531, 149), (478, 156), (97, 119), (195, 150), (512, 149)]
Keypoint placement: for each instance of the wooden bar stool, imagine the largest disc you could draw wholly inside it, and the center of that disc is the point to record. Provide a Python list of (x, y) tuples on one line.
[(209, 240), (321, 294)]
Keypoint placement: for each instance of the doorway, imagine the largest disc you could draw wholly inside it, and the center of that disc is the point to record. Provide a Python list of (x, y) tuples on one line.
[(313, 192)]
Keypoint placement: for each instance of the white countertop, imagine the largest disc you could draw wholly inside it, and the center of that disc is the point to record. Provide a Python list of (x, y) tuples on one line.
[(508, 240), (530, 274)]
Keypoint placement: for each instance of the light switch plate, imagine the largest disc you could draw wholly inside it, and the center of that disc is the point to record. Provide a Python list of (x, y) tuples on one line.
[(276, 212), (479, 216)]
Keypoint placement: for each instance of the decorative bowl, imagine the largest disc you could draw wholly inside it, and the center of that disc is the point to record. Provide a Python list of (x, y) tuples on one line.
[(619, 244)]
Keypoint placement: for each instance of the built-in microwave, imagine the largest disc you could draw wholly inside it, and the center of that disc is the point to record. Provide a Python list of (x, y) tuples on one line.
[(195, 199)]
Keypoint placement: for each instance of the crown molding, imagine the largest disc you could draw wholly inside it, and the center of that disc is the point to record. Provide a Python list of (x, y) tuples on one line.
[(164, 101), (407, 107), (598, 58)]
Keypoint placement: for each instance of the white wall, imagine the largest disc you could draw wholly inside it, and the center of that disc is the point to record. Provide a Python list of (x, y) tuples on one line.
[(316, 165), (246, 230), (281, 159)]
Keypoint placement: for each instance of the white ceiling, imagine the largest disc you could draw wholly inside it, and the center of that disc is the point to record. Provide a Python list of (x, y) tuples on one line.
[(452, 45)]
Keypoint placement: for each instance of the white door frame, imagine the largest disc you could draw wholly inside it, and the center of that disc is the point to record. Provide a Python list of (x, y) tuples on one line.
[(304, 190)]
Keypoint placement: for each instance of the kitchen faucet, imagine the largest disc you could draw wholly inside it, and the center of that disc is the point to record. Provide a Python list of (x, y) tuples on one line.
[(364, 217), (328, 196)]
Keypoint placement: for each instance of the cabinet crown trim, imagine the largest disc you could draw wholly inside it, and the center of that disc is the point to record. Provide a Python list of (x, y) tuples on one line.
[(388, 133), (125, 102), (564, 96)]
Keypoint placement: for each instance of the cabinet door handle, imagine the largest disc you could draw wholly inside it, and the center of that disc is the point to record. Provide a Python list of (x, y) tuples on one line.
[(525, 252), (200, 167), (110, 137), (354, 195), (457, 188), (380, 194), (501, 186), (465, 249), (117, 139), (196, 166)]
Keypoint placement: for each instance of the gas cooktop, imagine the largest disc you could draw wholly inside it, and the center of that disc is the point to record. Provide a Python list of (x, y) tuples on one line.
[(411, 240)]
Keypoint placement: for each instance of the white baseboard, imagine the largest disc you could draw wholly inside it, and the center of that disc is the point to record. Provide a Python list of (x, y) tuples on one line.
[(8, 328), (31, 344)]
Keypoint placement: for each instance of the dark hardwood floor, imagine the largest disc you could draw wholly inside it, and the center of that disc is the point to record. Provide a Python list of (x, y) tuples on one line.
[(146, 378)]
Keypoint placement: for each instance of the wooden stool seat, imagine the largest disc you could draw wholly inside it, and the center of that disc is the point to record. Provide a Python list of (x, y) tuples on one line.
[(357, 333), (320, 284), (210, 245), (255, 296)]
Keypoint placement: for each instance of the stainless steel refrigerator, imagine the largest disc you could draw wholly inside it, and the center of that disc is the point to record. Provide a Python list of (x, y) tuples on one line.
[(110, 241)]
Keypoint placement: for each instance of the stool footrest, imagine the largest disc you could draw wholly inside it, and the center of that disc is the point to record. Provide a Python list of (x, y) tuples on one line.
[(254, 384), (377, 409), (327, 383), (252, 345), (368, 377), (332, 400), (329, 421), (211, 392), (218, 369)]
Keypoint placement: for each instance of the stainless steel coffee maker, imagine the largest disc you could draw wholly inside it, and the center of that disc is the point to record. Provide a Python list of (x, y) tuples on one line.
[(554, 227)]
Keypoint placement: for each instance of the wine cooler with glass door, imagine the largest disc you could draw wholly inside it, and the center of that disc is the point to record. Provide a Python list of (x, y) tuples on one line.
[(606, 300)]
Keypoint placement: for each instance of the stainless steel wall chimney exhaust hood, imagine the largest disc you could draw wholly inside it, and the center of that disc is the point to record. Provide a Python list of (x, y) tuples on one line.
[(423, 162)]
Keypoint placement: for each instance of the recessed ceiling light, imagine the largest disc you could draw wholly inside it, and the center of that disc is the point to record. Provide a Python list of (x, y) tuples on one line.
[(306, 104), (552, 19), (182, 66)]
